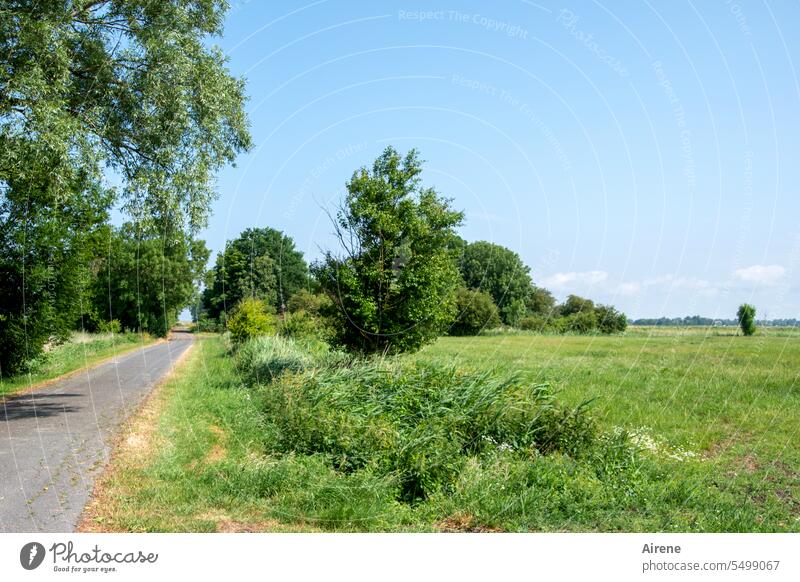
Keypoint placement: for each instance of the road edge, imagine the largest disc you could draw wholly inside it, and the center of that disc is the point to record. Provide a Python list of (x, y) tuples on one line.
[(147, 412)]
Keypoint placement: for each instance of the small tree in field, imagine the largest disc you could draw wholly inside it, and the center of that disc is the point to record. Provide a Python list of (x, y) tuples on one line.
[(394, 287), (747, 318)]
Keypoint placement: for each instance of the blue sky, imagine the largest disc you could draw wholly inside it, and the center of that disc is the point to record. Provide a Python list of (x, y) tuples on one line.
[(644, 154)]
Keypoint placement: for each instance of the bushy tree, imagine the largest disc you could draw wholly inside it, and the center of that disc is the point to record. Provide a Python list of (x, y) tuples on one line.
[(746, 315), (48, 250), (580, 322), (261, 263), (499, 272), (147, 278), (394, 286), (476, 312), (133, 86), (251, 318), (576, 304), (540, 302), (609, 320)]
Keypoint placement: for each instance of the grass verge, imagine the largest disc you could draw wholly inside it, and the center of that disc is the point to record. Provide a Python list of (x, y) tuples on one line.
[(310, 445)]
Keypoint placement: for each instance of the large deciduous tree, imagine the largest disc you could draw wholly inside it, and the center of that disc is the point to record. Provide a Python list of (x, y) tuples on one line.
[(262, 263), (147, 278), (88, 86), (395, 284), (499, 272)]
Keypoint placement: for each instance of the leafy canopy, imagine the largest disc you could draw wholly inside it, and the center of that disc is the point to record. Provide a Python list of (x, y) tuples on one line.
[(499, 272), (746, 315), (262, 263), (394, 286)]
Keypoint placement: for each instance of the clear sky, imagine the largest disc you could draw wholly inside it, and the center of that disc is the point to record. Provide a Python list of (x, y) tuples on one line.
[(641, 154)]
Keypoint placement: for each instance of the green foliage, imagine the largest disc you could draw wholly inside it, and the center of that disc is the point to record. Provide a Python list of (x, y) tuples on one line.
[(312, 303), (746, 315), (146, 278), (580, 322), (131, 84), (48, 250), (499, 272), (132, 87), (415, 424), (540, 302), (609, 320), (575, 304), (476, 312), (536, 323), (265, 358), (261, 263), (113, 326), (394, 288), (249, 319)]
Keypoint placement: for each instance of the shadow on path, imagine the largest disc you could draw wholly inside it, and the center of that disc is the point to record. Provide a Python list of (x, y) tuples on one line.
[(36, 406)]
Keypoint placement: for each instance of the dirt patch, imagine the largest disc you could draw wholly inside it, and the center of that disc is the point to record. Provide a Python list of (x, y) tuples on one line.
[(217, 452), (224, 524), (135, 444), (464, 523)]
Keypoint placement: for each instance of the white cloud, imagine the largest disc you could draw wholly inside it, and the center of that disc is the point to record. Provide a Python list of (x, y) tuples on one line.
[(763, 274), (573, 278)]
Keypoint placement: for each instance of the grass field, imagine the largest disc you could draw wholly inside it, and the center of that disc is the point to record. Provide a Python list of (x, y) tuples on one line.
[(83, 349), (714, 420)]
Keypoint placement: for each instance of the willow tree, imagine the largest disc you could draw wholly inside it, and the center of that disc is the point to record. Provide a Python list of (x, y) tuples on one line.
[(98, 89)]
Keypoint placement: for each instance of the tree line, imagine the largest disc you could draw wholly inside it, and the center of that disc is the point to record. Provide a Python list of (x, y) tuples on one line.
[(95, 93), (401, 278)]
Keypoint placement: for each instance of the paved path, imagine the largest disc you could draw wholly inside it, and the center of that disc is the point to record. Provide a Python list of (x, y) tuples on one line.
[(56, 440)]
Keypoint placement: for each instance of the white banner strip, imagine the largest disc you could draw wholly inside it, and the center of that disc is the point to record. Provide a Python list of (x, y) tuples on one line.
[(401, 557)]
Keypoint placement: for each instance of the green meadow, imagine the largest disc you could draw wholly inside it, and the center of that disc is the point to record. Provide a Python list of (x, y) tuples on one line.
[(518, 432)]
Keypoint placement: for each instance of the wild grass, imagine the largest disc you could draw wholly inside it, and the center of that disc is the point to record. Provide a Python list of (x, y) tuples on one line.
[(447, 440), (83, 349)]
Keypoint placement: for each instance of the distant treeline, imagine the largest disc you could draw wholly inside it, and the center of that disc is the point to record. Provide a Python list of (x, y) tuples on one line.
[(707, 321)]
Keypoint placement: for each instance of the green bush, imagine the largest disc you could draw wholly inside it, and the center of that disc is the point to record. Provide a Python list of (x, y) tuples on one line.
[(476, 312), (113, 326), (747, 318), (609, 320), (417, 423), (251, 318), (580, 322), (305, 325), (538, 323)]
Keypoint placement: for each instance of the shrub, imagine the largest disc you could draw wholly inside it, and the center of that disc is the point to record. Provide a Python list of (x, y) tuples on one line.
[(419, 423), (304, 325), (581, 322), (311, 303), (250, 318), (538, 323), (113, 326), (265, 358), (747, 318), (476, 311), (609, 320)]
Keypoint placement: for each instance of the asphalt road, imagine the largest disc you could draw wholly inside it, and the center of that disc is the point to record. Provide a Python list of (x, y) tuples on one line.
[(55, 441)]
